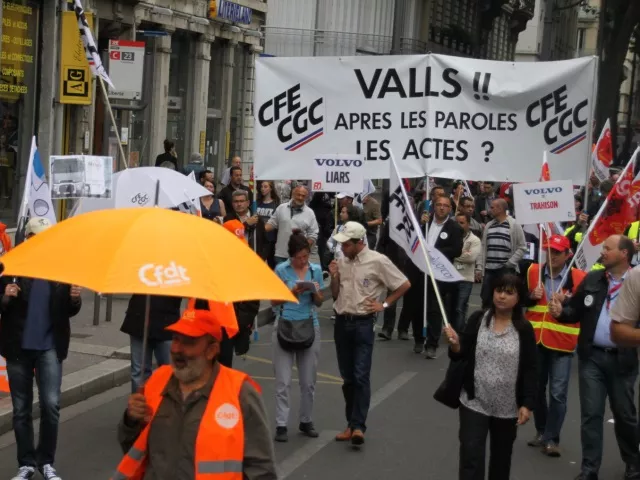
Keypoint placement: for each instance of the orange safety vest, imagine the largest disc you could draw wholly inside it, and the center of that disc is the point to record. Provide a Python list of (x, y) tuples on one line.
[(4, 378), (220, 442), (550, 333)]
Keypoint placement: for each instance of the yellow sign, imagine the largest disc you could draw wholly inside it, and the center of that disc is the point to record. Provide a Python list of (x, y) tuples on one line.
[(203, 136), (17, 50), (75, 74)]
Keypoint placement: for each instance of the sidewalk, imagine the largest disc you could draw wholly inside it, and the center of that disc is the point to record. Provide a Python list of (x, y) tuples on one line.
[(98, 355)]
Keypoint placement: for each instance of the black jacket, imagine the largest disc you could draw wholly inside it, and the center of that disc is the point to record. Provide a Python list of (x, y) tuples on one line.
[(321, 205), (391, 249), (226, 195), (450, 240), (596, 286), (527, 382), (14, 315), (166, 157), (164, 311), (257, 235)]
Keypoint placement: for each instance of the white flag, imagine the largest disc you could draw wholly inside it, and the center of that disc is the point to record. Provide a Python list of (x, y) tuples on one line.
[(90, 49), (405, 230), (368, 189), (192, 175), (36, 199)]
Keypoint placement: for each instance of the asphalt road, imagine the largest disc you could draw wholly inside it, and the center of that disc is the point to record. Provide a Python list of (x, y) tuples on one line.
[(410, 435)]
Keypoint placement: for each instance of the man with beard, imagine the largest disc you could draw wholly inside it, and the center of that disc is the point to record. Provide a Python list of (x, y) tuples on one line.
[(196, 417)]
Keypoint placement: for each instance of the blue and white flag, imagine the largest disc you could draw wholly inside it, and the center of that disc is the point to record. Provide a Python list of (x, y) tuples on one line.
[(90, 49), (36, 199), (405, 230)]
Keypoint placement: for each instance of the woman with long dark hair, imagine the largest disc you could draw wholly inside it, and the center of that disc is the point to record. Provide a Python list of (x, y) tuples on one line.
[(211, 206), (500, 380), (267, 202), (296, 336)]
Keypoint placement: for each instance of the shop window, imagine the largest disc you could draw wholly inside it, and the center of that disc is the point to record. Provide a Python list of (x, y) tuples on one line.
[(18, 75)]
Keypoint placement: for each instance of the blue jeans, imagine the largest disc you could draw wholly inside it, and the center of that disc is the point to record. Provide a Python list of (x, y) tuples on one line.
[(48, 374), (554, 368), (162, 352), (462, 305), (354, 340), (602, 375)]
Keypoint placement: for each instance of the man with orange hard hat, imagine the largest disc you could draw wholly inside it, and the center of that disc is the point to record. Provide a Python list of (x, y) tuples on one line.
[(556, 341), (196, 417)]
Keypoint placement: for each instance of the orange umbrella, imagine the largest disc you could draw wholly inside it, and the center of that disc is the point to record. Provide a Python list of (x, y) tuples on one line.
[(150, 251)]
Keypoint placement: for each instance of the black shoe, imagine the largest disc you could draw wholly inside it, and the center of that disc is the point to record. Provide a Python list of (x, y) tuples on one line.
[(384, 335), (632, 472), (309, 430), (587, 476), (281, 435), (430, 353), (417, 348), (403, 336)]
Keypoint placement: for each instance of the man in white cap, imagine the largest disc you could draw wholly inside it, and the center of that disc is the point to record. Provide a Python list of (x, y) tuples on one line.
[(358, 282), (35, 340)]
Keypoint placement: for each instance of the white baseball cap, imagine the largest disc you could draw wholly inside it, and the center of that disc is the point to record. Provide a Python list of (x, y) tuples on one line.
[(342, 195), (351, 231), (37, 225)]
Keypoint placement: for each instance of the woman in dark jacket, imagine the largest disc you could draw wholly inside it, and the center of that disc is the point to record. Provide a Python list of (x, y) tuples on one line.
[(164, 311), (499, 387)]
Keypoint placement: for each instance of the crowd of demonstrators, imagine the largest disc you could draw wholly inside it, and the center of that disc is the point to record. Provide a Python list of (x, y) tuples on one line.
[(296, 336), (35, 333), (235, 184)]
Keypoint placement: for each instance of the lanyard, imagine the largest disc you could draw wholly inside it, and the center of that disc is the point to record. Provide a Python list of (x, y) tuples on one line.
[(612, 292)]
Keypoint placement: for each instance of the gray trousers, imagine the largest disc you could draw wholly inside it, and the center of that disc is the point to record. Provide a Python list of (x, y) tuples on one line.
[(307, 363)]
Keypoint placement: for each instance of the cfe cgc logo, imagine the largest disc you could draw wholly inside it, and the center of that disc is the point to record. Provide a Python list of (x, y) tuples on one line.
[(171, 275), (140, 199), (299, 120)]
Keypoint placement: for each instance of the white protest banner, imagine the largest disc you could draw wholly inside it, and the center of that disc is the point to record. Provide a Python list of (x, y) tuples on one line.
[(405, 230), (337, 173), (542, 202), (452, 117)]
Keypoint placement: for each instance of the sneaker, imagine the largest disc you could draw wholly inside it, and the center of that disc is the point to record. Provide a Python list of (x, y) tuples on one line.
[(24, 473), (403, 336), (384, 335), (309, 430), (536, 441), (551, 450), (281, 435), (430, 354), (417, 348), (49, 473), (357, 438)]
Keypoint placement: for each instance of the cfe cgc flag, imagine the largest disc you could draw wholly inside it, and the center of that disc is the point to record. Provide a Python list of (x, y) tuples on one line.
[(405, 230), (90, 49)]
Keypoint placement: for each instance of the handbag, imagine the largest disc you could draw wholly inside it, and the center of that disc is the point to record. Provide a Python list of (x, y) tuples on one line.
[(448, 393), (296, 335)]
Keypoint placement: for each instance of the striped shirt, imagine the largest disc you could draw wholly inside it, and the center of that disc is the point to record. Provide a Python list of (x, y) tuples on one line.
[(498, 245)]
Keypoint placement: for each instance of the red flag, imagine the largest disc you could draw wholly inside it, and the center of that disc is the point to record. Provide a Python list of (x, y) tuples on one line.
[(602, 154), (545, 174), (620, 208)]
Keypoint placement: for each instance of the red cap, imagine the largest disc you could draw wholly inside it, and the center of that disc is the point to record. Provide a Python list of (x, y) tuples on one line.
[(237, 228), (559, 243), (197, 323)]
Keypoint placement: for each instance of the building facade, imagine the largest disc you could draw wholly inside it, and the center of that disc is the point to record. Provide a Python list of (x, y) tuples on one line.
[(552, 34), (474, 28), (196, 84)]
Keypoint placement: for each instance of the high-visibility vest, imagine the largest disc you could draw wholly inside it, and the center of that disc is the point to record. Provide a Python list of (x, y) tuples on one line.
[(219, 448), (578, 235), (4, 378), (597, 266), (549, 332), (634, 229)]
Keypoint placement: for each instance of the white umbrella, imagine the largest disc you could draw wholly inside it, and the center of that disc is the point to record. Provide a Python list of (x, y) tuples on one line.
[(136, 187)]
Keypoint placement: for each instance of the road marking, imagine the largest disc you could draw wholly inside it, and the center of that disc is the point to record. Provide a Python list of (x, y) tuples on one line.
[(305, 453), (324, 382), (269, 362)]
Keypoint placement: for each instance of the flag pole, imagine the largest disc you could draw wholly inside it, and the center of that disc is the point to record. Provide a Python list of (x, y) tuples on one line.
[(423, 247), (426, 280), (105, 95), (540, 229)]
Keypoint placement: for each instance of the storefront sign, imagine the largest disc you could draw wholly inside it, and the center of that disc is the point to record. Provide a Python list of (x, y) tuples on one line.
[(203, 137), (17, 50), (337, 173), (230, 11), (75, 75), (543, 202), (126, 67)]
